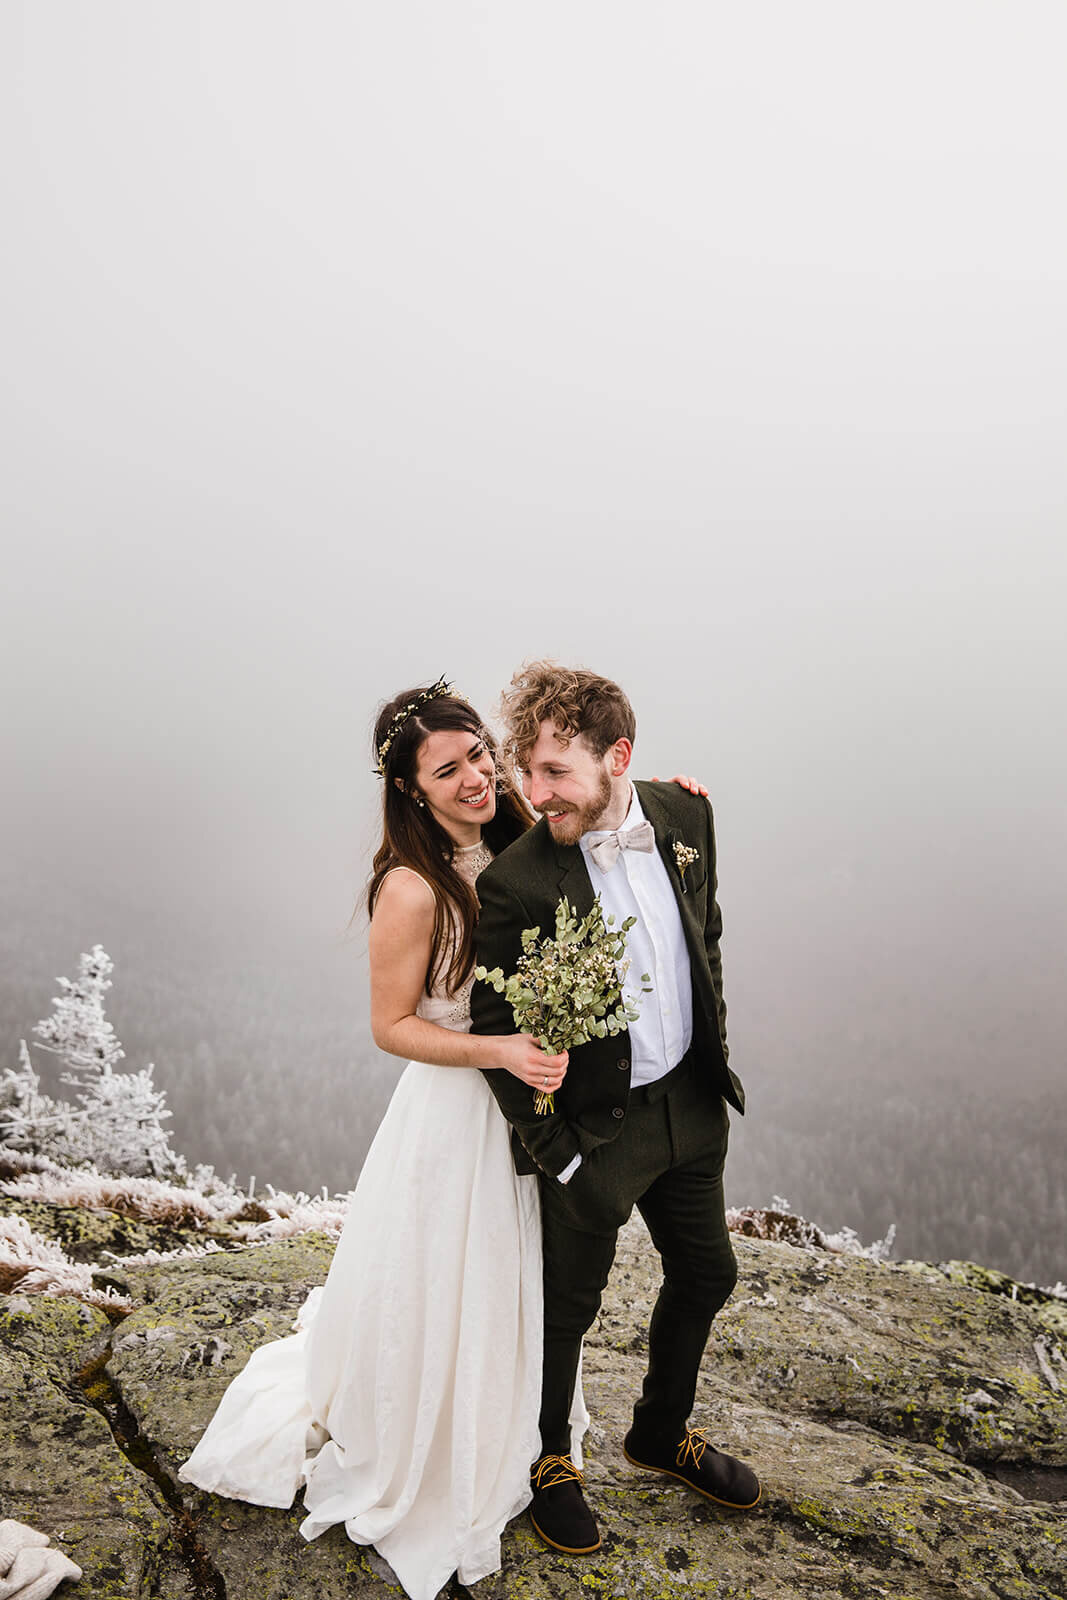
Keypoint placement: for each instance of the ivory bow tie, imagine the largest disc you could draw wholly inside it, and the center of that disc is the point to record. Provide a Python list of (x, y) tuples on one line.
[(606, 851)]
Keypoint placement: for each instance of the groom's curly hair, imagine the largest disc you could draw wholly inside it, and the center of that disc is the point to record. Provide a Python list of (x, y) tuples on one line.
[(577, 701)]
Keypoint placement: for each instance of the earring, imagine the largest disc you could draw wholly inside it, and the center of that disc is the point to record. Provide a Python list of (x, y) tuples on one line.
[(419, 801)]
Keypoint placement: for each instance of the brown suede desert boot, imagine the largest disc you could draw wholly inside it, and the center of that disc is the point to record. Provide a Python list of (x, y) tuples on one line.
[(558, 1511), (694, 1461)]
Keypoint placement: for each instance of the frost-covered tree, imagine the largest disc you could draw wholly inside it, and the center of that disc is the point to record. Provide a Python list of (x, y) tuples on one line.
[(117, 1121), (123, 1128), (29, 1118), (78, 1031)]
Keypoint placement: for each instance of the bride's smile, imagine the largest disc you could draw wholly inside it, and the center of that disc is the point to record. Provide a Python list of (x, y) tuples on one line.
[(478, 799)]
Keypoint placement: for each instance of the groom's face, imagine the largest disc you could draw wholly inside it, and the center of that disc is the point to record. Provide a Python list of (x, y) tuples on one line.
[(569, 785)]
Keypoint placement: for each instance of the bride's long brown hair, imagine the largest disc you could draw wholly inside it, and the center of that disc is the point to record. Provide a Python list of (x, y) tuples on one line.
[(412, 837)]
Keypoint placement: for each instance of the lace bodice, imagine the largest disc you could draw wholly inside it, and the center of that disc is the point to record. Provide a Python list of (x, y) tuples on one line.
[(454, 1010)]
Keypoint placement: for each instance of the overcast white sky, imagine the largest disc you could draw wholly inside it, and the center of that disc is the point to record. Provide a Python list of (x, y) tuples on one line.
[(721, 348)]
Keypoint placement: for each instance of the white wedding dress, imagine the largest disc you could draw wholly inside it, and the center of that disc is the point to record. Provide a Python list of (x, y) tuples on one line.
[(407, 1401)]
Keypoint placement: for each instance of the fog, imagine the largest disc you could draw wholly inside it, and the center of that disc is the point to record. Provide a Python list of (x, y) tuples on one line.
[(718, 349)]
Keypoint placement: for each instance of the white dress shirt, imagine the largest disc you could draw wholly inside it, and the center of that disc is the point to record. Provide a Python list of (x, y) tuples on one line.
[(638, 886)]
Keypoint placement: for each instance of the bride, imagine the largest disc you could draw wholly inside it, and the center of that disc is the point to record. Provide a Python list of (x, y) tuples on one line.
[(407, 1403)]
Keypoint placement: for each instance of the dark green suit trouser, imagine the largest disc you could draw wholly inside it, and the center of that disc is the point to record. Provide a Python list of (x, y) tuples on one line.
[(668, 1161)]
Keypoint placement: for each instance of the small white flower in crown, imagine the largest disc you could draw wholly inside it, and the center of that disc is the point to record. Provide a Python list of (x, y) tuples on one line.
[(442, 686)]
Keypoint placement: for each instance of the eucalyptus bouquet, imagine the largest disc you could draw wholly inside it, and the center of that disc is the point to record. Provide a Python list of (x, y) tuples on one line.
[(568, 990)]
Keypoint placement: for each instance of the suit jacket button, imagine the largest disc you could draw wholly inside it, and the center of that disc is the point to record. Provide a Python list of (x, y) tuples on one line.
[(617, 1111), (623, 1063)]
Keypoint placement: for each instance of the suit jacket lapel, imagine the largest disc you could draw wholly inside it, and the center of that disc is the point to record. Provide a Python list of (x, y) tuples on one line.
[(574, 880), (666, 836)]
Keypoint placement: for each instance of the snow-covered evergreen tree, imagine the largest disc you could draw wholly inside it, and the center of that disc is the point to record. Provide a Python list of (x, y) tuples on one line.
[(78, 1031), (27, 1117), (123, 1125), (117, 1122)]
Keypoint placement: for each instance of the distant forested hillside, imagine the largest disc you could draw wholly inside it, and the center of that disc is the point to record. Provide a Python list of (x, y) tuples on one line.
[(961, 1174), (269, 1069)]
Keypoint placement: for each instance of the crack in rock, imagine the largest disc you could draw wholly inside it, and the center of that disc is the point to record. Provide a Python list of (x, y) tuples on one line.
[(96, 1384)]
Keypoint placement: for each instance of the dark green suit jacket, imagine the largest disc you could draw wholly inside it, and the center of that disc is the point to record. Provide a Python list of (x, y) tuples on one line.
[(521, 889)]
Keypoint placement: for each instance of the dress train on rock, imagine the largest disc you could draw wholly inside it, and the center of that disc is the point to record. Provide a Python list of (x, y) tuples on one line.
[(406, 1403)]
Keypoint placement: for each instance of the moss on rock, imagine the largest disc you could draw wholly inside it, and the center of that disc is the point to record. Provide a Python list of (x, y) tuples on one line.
[(50, 1330), (87, 1234), (864, 1396), (909, 1353), (60, 1468)]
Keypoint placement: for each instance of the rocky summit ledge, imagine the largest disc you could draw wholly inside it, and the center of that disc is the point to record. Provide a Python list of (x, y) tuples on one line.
[(909, 1423)]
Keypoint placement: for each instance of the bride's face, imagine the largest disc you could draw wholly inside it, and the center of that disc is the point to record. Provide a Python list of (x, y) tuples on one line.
[(454, 775)]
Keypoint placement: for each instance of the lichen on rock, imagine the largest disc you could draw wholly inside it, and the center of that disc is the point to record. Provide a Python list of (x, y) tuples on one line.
[(878, 1403)]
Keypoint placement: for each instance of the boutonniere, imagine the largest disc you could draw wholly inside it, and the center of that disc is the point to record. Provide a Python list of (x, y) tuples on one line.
[(684, 856)]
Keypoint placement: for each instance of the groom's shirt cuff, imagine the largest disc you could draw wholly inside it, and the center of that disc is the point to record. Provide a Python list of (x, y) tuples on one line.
[(570, 1169)]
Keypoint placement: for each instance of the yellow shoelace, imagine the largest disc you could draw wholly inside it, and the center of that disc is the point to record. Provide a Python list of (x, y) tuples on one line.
[(692, 1447), (551, 1470)]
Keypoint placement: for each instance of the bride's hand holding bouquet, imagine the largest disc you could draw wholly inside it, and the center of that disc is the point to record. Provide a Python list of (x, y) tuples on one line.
[(522, 1056)]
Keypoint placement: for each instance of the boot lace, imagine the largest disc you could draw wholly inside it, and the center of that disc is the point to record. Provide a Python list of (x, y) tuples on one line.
[(551, 1470), (691, 1449)]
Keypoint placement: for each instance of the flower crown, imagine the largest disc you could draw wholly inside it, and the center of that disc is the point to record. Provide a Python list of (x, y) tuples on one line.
[(440, 687)]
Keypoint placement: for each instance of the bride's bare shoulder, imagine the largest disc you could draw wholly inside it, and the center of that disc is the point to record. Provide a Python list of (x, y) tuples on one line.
[(403, 893)]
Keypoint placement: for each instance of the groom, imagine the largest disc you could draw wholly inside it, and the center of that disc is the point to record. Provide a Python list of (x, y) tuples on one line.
[(641, 1117)]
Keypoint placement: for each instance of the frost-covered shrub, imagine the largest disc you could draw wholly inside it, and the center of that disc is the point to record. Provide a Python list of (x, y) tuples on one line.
[(300, 1213), (148, 1199), (848, 1242), (32, 1265), (16, 1163), (274, 1214), (780, 1222), (155, 1258)]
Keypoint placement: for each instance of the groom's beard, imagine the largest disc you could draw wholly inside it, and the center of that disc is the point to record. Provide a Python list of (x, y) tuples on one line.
[(579, 819)]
